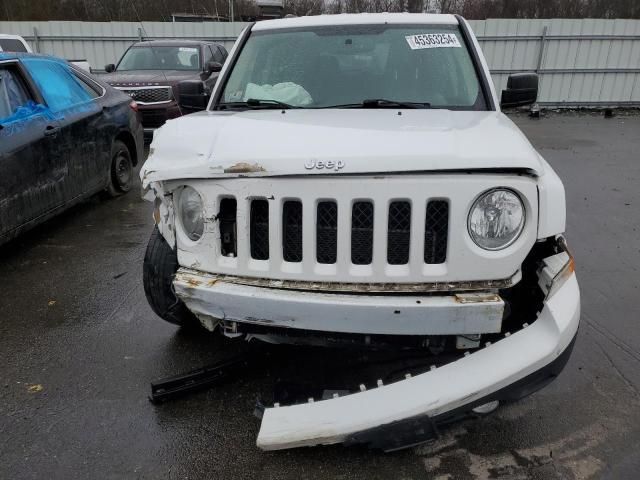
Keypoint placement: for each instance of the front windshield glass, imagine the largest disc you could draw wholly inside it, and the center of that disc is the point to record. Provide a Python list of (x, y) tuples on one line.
[(334, 66), (160, 58)]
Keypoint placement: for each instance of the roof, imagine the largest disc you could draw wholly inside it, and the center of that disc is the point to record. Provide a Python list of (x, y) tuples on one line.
[(170, 43), (357, 19), (13, 37)]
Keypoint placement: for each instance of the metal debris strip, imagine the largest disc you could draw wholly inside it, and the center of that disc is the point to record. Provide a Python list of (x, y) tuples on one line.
[(366, 287), (197, 380)]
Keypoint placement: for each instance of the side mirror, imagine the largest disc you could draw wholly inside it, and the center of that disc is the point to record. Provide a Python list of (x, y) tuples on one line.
[(522, 89), (192, 95), (213, 67), (110, 68)]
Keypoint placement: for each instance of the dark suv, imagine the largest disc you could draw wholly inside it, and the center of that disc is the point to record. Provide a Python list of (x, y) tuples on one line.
[(151, 72)]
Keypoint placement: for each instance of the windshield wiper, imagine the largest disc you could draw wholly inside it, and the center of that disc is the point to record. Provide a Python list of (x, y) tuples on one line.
[(382, 103), (262, 103)]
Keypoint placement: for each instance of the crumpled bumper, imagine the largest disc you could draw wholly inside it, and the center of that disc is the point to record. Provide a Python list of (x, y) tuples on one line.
[(522, 360)]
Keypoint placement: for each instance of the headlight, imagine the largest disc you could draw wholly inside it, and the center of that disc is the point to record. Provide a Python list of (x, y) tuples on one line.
[(191, 213), (496, 219)]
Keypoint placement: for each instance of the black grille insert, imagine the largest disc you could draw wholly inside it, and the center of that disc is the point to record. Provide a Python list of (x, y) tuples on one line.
[(149, 95), (292, 231), (259, 230), (398, 233), (228, 229), (436, 231), (362, 233), (327, 232)]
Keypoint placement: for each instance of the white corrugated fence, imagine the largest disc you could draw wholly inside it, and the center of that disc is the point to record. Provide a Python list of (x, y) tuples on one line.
[(588, 62)]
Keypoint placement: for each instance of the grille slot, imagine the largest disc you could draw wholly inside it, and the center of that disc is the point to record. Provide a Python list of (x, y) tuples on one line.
[(292, 231), (259, 230), (149, 95), (228, 227), (362, 233), (436, 232), (327, 232), (398, 233)]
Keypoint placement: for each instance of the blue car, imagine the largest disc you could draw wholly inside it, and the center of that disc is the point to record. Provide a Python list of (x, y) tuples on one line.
[(64, 136)]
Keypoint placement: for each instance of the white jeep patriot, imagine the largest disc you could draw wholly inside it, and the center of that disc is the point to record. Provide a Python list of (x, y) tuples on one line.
[(354, 179)]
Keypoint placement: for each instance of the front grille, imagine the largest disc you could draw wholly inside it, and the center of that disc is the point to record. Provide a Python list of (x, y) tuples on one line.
[(259, 230), (292, 231), (436, 228), (291, 224), (327, 232), (362, 233), (398, 233), (149, 95), (153, 118)]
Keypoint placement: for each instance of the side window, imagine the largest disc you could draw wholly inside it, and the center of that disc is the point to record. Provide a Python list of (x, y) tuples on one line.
[(224, 53), (11, 45), (208, 55), (60, 88), (15, 101), (218, 54), (89, 88)]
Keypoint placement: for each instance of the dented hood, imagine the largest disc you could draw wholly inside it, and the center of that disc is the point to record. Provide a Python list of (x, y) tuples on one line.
[(336, 142)]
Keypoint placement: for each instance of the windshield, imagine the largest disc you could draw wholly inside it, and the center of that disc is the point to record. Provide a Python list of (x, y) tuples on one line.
[(334, 66), (160, 58)]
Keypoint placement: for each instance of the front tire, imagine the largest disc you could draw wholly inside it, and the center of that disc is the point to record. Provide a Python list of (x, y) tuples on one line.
[(159, 268), (120, 170)]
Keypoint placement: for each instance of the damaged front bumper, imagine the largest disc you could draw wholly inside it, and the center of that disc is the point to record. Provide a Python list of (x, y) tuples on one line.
[(520, 358), (389, 415)]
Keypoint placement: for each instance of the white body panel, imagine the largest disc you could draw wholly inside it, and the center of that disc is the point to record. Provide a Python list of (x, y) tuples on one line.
[(272, 143), (435, 392)]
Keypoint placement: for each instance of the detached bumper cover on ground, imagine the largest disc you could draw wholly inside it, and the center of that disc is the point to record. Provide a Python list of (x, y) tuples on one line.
[(435, 393)]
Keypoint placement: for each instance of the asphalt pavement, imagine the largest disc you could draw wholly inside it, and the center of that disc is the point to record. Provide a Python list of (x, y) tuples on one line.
[(79, 346)]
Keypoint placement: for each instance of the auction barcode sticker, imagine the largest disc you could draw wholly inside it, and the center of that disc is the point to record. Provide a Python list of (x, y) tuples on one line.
[(432, 40)]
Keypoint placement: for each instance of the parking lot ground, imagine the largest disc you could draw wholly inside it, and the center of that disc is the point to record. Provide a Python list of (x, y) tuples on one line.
[(79, 346)]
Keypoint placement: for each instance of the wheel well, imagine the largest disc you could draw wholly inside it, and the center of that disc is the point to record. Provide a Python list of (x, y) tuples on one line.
[(126, 138)]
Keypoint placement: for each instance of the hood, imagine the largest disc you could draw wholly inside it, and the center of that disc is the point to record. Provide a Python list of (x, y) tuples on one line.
[(142, 78), (336, 142)]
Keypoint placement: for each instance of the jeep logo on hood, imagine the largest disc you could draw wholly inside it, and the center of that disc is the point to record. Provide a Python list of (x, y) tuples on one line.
[(324, 164)]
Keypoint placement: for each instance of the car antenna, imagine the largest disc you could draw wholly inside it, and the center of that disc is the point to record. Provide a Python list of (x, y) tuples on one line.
[(144, 33)]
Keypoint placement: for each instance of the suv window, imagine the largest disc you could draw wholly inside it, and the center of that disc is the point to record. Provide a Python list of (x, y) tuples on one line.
[(60, 88), (13, 93), (208, 55), (219, 54), (11, 45), (343, 65)]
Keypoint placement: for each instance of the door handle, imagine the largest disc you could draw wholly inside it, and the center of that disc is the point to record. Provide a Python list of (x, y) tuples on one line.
[(51, 131)]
